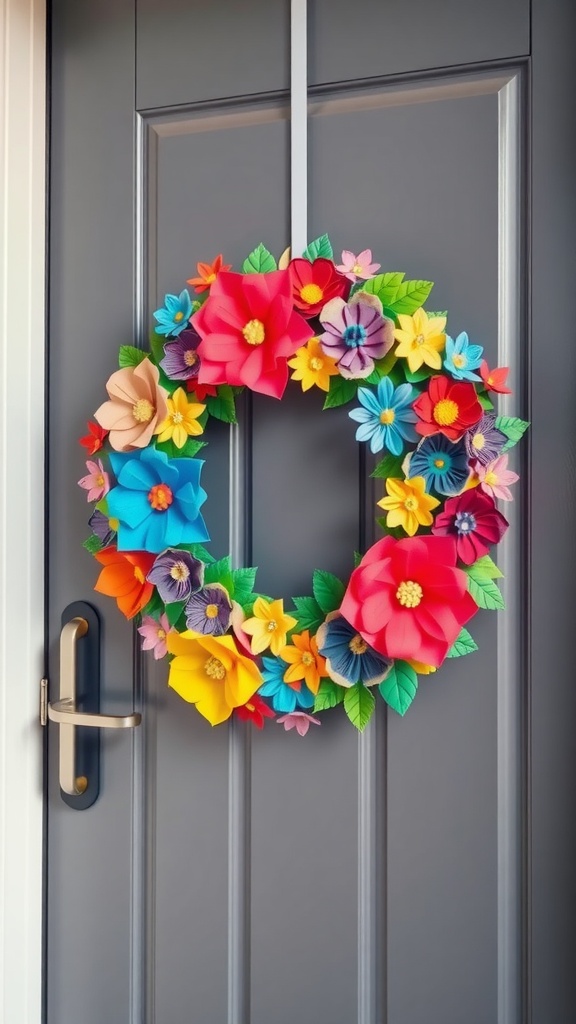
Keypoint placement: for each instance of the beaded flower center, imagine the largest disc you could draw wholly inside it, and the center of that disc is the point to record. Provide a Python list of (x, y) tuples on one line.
[(387, 417), (160, 497), (307, 658), (465, 522), (176, 417), (358, 645), (211, 611), (143, 410), (411, 504), (409, 594), (419, 339), (214, 668), (445, 412), (190, 357), (478, 442), (459, 361), (354, 335), (254, 332), (179, 572), (311, 294), (316, 363)]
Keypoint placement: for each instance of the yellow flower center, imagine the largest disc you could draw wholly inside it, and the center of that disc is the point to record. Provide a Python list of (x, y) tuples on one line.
[(179, 316), (491, 479), (250, 707), (214, 668), (459, 361), (160, 497), (311, 294), (100, 480), (161, 633), (176, 417), (478, 441), (316, 363), (272, 625), (387, 416), (210, 279), (357, 644), (409, 594), (114, 523), (254, 332), (411, 504), (419, 339), (445, 412), (307, 658), (490, 379), (179, 572), (138, 574), (439, 463), (143, 410), (356, 269), (190, 357), (211, 611)]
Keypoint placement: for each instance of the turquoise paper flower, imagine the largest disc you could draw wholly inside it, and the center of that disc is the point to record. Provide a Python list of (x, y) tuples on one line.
[(462, 357), (442, 463), (175, 314), (284, 697), (386, 417), (156, 501)]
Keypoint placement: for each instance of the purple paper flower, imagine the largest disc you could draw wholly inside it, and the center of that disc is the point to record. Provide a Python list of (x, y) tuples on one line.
[(209, 610), (484, 442), (181, 361), (356, 333), (176, 574), (102, 527)]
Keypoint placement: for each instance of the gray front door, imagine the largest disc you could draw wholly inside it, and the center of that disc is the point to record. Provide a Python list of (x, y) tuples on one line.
[(422, 873)]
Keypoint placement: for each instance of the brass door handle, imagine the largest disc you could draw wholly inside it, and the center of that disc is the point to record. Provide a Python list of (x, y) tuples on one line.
[(69, 718)]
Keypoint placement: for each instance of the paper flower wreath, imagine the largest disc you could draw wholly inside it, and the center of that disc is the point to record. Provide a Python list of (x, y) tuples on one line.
[(420, 399)]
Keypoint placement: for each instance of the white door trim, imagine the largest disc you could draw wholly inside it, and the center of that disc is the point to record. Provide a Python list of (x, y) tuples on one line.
[(22, 354)]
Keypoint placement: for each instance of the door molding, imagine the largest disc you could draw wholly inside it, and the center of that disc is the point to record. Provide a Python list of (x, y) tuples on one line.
[(22, 398)]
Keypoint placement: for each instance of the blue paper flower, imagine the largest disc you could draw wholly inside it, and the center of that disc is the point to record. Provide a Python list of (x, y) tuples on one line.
[(174, 315), (386, 417), (349, 659), (462, 357), (442, 463), (156, 501), (284, 697)]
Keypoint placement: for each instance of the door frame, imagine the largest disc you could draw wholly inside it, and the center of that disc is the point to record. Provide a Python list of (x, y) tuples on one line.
[(22, 404)]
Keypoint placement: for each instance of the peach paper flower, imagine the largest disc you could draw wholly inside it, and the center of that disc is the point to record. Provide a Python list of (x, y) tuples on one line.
[(137, 406)]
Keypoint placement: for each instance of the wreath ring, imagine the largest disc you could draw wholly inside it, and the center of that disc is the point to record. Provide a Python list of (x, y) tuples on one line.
[(423, 401)]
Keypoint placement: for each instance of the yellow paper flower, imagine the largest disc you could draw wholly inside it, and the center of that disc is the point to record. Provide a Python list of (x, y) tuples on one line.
[(407, 504), (181, 421), (210, 672), (304, 660), (268, 626), (312, 366), (421, 339)]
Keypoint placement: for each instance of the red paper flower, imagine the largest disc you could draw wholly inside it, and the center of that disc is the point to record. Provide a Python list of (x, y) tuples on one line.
[(249, 330), (208, 272), (124, 577), (474, 521), (313, 284), (256, 710), (447, 408), (94, 441), (201, 391), (407, 598), (495, 380)]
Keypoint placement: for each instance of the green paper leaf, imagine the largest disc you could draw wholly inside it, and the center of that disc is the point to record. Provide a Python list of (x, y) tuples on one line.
[(190, 448), (309, 614), (389, 466), (442, 312), (485, 592), (223, 405), (320, 247), (484, 568), (418, 375), (341, 391), (513, 427), (130, 356), (328, 590), (410, 296), (357, 559), (243, 580), (329, 695), (485, 401), (155, 605), (393, 531), (219, 572), (92, 544), (359, 704), (174, 611), (463, 644), (385, 286), (200, 552), (260, 261), (374, 378), (400, 686), (157, 350)]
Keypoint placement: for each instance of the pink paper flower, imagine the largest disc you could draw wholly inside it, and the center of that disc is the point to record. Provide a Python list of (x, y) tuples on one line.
[(96, 482), (154, 634), (298, 720), (358, 267), (495, 477)]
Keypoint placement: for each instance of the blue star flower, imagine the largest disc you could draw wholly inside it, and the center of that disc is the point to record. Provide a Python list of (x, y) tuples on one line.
[(156, 501), (442, 463), (284, 697), (386, 417), (462, 357), (175, 314), (349, 659)]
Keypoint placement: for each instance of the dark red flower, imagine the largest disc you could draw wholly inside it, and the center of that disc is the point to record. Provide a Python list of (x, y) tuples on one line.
[(495, 380), (474, 521), (201, 391), (313, 284), (94, 441), (255, 710), (447, 408)]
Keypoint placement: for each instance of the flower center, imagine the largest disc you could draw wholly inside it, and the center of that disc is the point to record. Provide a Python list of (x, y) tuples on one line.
[(409, 594), (465, 522), (307, 658), (311, 294), (214, 668), (357, 644), (176, 417), (387, 417), (459, 361), (100, 480), (419, 339), (138, 574), (254, 332), (210, 279), (490, 380), (272, 625), (161, 633), (356, 269), (143, 410), (316, 363), (179, 316), (478, 441), (160, 497), (491, 479), (411, 504), (179, 572), (354, 335), (211, 611), (190, 357), (445, 412), (250, 707), (439, 463)]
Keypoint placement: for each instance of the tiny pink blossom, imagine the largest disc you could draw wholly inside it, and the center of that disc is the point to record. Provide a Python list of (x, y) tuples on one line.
[(154, 634), (495, 477), (298, 720), (96, 482), (358, 267)]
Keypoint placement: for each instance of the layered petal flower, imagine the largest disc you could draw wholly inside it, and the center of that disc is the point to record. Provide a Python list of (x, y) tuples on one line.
[(408, 599), (256, 711), (447, 408), (356, 333), (304, 661), (407, 504), (386, 418), (495, 478), (484, 442), (314, 284), (137, 404), (209, 610), (249, 330), (181, 360), (154, 635), (209, 671), (422, 339), (474, 521), (176, 574), (93, 441), (96, 481), (298, 720), (359, 267), (462, 358), (495, 380), (442, 463), (174, 315), (313, 367), (285, 696), (181, 421), (349, 659), (124, 577), (268, 626), (207, 274)]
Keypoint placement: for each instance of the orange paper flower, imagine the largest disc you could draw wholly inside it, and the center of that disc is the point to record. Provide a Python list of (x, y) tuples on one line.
[(124, 577), (305, 662), (137, 406), (208, 272)]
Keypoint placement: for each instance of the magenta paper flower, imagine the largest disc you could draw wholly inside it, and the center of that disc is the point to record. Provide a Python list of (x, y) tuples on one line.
[(356, 333), (297, 720), (154, 634), (96, 482), (495, 477), (358, 267), (475, 523)]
